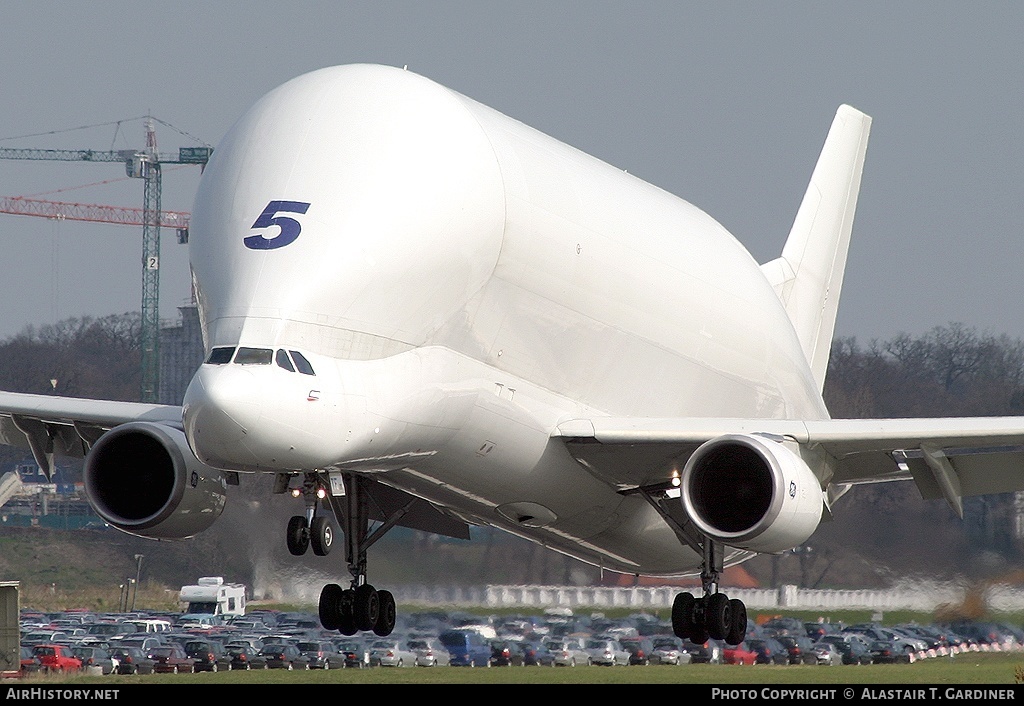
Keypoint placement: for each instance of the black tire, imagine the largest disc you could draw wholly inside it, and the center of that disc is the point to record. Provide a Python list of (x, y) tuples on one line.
[(365, 607), (347, 624), (330, 606), (682, 615), (717, 615), (214, 667), (737, 622), (321, 536), (297, 535), (387, 614)]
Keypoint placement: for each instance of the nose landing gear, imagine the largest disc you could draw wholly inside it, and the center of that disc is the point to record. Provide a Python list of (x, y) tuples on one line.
[(310, 529)]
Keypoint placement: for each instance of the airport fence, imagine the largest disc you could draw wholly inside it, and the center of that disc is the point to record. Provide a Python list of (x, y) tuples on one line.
[(919, 596)]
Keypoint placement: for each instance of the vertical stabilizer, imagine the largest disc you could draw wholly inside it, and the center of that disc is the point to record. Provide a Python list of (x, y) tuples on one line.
[(809, 275)]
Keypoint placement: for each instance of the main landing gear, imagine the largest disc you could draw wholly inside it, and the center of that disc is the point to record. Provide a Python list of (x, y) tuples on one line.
[(713, 615), (360, 606)]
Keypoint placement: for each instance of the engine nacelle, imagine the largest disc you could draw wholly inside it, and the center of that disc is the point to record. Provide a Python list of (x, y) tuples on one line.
[(143, 479), (752, 493)]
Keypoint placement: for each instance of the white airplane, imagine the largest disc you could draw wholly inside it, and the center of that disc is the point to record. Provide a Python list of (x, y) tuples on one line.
[(420, 312)]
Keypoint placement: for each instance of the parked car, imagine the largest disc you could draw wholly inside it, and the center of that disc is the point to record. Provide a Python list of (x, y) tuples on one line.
[(709, 652), (319, 654), (391, 652), (853, 648), (94, 657), (668, 649), (531, 654), (799, 648), (506, 653), (132, 660), (430, 652), (209, 655), (827, 653), (739, 654), (609, 653), (639, 649), (353, 652), (108, 629), (141, 640), (888, 652), (56, 658), (566, 653), (171, 659), (243, 656), (283, 656), (769, 650), (782, 625), (818, 629), (467, 648), (44, 637), (30, 664)]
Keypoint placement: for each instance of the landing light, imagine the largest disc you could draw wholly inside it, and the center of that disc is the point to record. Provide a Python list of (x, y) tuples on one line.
[(296, 492), (321, 493)]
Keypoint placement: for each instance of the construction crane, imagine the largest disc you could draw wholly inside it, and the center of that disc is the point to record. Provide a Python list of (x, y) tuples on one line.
[(93, 213), (140, 164)]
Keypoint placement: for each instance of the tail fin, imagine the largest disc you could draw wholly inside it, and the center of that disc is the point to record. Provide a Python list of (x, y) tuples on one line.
[(809, 275)]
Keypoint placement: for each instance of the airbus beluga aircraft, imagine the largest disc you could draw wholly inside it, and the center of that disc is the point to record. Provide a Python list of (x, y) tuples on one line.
[(420, 312)]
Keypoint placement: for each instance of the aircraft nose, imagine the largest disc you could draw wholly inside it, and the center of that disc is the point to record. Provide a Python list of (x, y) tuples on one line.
[(222, 404)]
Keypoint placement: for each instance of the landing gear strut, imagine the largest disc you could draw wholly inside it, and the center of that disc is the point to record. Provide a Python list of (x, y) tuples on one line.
[(712, 615), (361, 606)]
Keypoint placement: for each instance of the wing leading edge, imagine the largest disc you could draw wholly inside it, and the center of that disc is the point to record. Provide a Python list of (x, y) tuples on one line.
[(949, 458), (68, 426)]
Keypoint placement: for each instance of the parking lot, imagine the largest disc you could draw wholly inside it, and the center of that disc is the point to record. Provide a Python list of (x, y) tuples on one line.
[(151, 643)]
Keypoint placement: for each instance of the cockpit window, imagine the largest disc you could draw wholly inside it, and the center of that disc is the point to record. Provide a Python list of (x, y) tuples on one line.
[(282, 360), (254, 356), (301, 363), (220, 356)]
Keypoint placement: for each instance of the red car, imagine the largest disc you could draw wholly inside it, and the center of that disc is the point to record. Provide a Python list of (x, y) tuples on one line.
[(56, 658), (739, 654), (171, 658)]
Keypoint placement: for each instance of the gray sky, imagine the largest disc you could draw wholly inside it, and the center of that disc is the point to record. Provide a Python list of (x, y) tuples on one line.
[(725, 104)]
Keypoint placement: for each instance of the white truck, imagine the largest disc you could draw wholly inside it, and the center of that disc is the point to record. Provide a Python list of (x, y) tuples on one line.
[(211, 596)]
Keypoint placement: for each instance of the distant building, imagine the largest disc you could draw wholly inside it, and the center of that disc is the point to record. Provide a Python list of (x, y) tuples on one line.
[(181, 354)]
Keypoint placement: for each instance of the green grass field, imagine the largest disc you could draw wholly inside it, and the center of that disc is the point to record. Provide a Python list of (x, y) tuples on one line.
[(972, 668)]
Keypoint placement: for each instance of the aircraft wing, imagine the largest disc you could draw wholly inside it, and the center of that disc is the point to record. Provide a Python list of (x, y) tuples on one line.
[(947, 458), (68, 426)]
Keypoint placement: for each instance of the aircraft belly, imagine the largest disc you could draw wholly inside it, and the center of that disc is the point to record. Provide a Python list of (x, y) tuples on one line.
[(569, 511)]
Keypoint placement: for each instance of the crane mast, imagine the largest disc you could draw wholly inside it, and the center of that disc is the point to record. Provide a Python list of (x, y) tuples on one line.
[(142, 164)]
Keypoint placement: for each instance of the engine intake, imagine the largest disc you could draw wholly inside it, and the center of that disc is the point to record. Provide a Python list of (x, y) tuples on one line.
[(752, 493), (143, 479)]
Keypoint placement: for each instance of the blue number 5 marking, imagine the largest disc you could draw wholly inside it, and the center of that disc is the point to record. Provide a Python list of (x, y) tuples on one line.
[(290, 227)]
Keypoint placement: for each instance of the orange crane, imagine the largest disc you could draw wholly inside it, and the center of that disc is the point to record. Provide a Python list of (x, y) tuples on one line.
[(95, 213)]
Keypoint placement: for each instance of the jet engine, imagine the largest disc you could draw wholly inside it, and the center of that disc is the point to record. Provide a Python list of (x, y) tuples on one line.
[(143, 479), (751, 492)]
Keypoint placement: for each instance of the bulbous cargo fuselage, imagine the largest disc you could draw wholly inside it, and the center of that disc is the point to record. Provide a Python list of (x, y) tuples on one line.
[(459, 284)]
